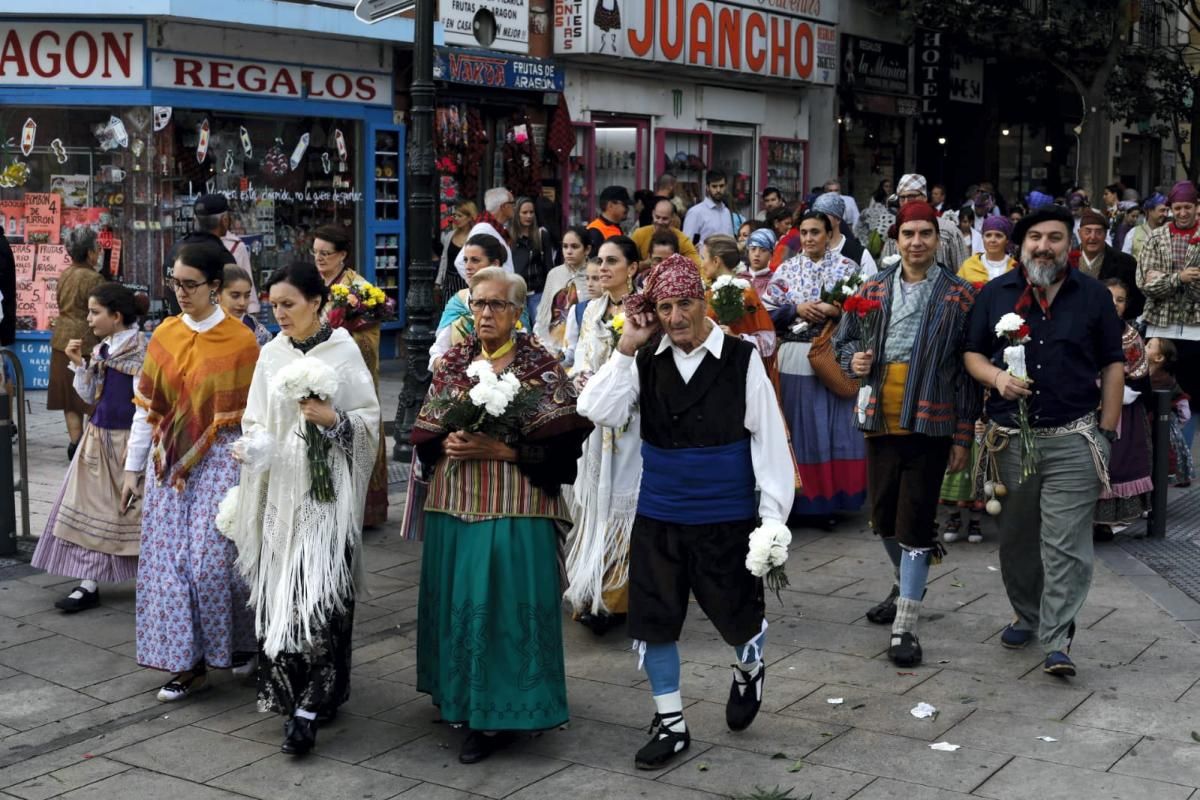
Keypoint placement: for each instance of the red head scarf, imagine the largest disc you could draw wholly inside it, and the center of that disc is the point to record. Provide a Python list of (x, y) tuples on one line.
[(675, 277), (913, 211)]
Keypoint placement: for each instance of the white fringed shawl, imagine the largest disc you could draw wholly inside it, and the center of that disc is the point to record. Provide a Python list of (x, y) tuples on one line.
[(293, 550)]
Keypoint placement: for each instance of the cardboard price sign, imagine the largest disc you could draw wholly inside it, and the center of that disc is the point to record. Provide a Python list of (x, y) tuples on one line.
[(48, 308), (43, 217), (12, 218), (29, 300), (52, 260), (24, 255)]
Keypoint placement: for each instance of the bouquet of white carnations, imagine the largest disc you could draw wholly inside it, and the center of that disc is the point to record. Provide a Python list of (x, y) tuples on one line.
[(768, 553), (304, 379), (494, 406), (1013, 328), (729, 299)]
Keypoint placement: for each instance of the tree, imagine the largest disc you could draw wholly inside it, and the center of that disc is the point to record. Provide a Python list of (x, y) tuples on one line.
[(1078, 41)]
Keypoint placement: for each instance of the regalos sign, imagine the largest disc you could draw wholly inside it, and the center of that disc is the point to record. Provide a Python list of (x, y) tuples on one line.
[(773, 38)]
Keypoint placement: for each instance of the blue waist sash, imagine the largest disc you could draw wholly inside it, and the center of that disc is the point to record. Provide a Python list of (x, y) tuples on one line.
[(697, 485)]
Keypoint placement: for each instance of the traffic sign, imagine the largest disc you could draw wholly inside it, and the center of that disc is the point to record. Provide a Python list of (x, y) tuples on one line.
[(372, 11)]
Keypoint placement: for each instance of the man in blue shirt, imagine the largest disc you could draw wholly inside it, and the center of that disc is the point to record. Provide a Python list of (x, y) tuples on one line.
[(711, 215), (1073, 337)]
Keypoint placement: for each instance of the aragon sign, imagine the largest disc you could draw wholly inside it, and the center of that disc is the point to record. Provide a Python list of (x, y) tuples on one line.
[(54, 54)]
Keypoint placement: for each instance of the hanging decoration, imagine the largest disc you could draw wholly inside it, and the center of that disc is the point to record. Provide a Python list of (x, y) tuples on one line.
[(275, 161), (247, 149), (59, 151), (15, 174), (137, 148), (298, 153), (229, 161), (138, 117), (28, 135), (340, 141), (326, 163), (162, 117), (202, 143), (111, 134), (119, 132)]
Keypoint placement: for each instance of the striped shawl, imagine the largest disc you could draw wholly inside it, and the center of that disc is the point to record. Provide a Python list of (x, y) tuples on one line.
[(192, 386), (940, 398)]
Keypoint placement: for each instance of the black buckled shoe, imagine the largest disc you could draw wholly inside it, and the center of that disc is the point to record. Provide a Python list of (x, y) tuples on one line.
[(745, 697), (478, 745), (664, 743), (885, 612), (905, 650), (71, 604), (299, 736)]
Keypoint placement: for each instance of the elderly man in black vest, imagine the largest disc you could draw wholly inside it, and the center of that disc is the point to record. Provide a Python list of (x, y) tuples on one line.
[(711, 432)]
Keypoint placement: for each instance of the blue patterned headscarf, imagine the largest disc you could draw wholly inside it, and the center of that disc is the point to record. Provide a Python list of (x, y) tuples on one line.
[(1038, 200), (762, 237), (1154, 201)]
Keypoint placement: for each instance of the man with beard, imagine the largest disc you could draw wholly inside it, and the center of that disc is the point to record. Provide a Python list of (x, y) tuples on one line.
[(1073, 339), (1156, 211), (711, 216)]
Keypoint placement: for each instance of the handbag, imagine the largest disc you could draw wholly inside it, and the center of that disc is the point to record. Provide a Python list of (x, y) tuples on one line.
[(824, 363)]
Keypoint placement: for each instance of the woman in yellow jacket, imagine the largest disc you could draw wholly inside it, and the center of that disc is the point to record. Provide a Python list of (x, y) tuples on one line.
[(994, 261)]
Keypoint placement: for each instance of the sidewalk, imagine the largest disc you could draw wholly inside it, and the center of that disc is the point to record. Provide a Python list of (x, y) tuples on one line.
[(78, 717)]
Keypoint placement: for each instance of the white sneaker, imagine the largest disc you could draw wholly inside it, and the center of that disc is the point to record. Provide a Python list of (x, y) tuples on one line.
[(176, 689), (950, 536)]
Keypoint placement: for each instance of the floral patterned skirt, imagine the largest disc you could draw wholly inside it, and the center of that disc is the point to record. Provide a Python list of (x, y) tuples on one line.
[(314, 679), (489, 630)]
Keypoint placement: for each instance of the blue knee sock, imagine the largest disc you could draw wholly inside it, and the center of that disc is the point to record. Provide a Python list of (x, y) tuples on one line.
[(662, 667), (914, 572)]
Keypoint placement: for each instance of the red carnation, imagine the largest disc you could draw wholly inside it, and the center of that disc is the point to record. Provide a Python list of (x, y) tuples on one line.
[(865, 306), (1022, 332), (850, 306), (337, 317)]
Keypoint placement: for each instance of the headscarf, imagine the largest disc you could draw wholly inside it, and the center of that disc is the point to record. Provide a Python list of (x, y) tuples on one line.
[(764, 238), (994, 223), (675, 277), (1183, 192), (983, 203), (1037, 200), (911, 182), (830, 203), (1154, 201)]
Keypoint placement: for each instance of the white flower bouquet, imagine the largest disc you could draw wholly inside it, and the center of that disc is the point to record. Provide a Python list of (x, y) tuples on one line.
[(495, 405), (729, 299), (1013, 328), (227, 511), (304, 379), (768, 553)]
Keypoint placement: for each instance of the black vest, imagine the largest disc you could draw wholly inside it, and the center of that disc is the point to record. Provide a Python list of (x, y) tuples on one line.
[(853, 249), (708, 411)]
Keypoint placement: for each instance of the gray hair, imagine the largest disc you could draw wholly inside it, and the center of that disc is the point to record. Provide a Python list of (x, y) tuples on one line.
[(665, 181), (517, 290), (496, 197), (80, 244), (207, 222)]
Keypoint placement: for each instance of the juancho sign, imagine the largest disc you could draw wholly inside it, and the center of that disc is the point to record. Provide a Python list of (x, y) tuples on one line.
[(772, 38)]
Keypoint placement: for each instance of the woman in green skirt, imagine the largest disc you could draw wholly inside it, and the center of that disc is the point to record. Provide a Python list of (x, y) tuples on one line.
[(489, 637)]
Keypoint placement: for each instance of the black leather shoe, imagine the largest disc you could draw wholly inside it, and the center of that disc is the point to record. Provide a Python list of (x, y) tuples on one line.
[(70, 605), (478, 745), (885, 612), (905, 650), (299, 736), (664, 743), (601, 623), (745, 697)]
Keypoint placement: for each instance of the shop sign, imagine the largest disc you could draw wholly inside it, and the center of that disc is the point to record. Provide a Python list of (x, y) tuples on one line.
[(495, 24), (269, 79), (966, 80), (498, 71), (874, 65), (64, 54), (932, 73), (771, 38)]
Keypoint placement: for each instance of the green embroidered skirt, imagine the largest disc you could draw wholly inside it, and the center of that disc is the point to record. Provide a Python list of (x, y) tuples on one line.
[(489, 631)]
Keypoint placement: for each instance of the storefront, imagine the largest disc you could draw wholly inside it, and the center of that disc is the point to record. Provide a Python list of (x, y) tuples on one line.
[(120, 124), (693, 86), (876, 109)]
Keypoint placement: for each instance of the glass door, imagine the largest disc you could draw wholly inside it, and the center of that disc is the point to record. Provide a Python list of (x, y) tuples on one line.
[(684, 154), (579, 181), (733, 153)]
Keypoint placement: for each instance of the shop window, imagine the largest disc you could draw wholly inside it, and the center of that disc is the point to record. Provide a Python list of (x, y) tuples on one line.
[(734, 155)]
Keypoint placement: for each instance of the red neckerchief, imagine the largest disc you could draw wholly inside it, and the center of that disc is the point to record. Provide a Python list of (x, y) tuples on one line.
[(486, 216), (1177, 231), (1033, 292)]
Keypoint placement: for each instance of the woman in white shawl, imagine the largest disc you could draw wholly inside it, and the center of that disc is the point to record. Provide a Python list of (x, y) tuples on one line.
[(301, 553)]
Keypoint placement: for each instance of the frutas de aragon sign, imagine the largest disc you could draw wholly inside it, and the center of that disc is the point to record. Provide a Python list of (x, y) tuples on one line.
[(58, 54), (773, 38)]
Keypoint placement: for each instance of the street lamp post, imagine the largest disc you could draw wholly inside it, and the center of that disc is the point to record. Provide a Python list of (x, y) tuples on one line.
[(418, 337)]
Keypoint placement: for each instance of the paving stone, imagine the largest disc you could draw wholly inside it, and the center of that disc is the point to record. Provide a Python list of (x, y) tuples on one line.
[(888, 789), (866, 569), (817, 665), (606, 702), (1078, 746), (1145, 717), (30, 702), (1170, 654), (124, 686), (1054, 699), (387, 562), (420, 714), (15, 631), (1142, 620), (67, 662), (805, 606), (1121, 680), (234, 719), (20, 599), (387, 665), (730, 772), (379, 647), (770, 733), (348, 738), (312, 776), (815, 583), (435, 758), (817, 635), (371, 696), (193, 753), (1162, 760), (875, 711), (976, 658), (66, 779), (138, 783), (965, 626), (1022, 778), (431, 791), (102, 627), (706, 682), (405, 597), (602, 783), (908, 760), (602, 745), (606, 666)]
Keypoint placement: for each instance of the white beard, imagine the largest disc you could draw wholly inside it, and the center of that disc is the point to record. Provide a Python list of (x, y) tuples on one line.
[(1041, 274)]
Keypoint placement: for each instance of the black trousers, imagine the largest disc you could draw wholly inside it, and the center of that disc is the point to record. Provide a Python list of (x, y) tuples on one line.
[(904, 477), (666, 561)]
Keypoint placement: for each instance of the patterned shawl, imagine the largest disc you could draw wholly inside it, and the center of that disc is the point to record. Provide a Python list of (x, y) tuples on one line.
[(127, 360), (532, 365), (192, 386)]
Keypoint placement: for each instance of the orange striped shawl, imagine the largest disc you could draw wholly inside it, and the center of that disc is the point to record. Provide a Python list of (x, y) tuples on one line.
[(193, 385)]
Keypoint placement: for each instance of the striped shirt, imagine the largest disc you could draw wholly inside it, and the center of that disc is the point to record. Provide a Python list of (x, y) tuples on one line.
[(1170, 301), (940, 398), (908, 307), (481, 490)]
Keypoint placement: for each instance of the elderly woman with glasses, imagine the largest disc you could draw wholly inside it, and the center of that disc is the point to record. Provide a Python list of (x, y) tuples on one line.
[(331, 252), (192, 610), (489, 630), (457, 322)]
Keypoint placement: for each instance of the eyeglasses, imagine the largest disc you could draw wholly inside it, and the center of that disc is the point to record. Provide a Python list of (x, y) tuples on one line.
[(904, 198), (186, 286), (495, 306), (323, 254)]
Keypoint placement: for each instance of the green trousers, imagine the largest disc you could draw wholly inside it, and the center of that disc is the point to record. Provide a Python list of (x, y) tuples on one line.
[(1046, 534)]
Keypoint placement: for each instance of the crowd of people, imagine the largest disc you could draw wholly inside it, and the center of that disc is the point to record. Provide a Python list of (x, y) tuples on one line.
[(623, 415)]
